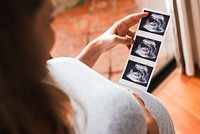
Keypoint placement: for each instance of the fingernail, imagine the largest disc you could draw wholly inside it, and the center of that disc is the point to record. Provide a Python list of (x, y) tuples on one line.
[(133, 41)]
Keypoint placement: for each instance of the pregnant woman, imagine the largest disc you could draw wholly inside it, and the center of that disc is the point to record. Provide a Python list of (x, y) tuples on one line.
[(64, 95)]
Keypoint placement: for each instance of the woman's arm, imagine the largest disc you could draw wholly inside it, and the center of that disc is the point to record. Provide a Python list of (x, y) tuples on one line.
[(91, 53), (119, 33)]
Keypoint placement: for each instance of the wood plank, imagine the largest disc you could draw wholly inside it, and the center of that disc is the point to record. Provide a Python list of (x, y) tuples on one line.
[(181, 96)]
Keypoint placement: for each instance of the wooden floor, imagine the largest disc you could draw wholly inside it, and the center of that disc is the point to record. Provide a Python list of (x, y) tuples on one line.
[(181, 96)]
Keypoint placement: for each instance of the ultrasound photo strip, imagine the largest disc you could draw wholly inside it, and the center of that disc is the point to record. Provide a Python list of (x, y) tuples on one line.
[(154, 23), (137, 73), (145, 51), (146, 48)]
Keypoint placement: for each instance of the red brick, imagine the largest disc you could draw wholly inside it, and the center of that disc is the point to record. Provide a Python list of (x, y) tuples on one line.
[(124, 3), (79, 25), (101, 21), (123, 13), (102, 16), (82, 9), (140, 4), (64, 15), (102, 5), (94, 35), (60, 22), (69, 46)]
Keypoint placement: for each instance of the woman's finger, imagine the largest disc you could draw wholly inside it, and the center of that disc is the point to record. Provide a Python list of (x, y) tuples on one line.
[(131, 33), (123, 40), (137, 97), (133, 18), (128, 46), (140, 100), (131, 91)]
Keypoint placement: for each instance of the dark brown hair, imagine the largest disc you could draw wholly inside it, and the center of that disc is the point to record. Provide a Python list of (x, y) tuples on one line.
[(27, 104)]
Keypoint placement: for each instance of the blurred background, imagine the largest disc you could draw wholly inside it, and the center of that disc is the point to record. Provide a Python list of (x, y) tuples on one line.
[(80, 21)]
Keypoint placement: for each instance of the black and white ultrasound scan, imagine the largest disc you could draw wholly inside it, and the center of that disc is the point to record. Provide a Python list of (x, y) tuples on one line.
[(145, 51), (146, 48), (154, 23), (137, 73)]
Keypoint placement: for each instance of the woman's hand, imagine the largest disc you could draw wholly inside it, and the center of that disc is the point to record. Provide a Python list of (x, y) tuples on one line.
[(152, 127), (119, 33)]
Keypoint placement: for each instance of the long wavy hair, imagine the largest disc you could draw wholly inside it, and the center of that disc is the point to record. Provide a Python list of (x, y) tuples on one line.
[(27, 104)]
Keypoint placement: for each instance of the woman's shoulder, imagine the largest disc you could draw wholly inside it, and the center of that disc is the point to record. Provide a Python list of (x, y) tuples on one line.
[(62, 60)]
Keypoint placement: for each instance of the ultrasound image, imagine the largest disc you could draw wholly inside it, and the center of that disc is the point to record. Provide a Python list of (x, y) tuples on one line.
[(154, 23), (137, 73), (146, 48)]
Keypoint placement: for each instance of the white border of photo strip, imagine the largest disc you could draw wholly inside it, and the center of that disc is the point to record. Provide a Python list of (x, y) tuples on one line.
[(147, 62)]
